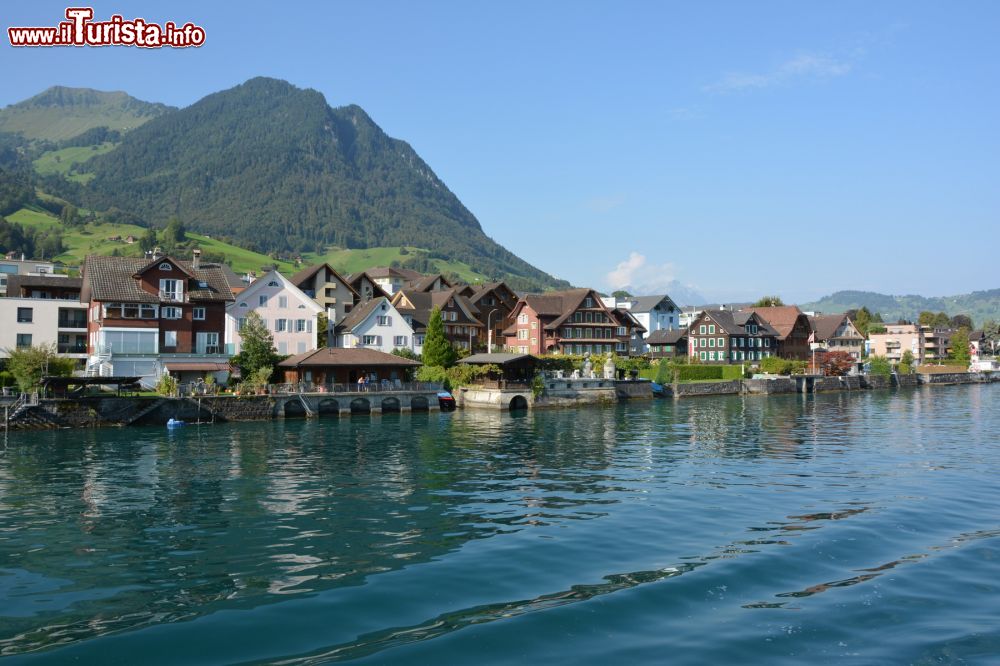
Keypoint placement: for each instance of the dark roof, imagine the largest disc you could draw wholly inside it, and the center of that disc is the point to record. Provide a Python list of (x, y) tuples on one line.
[(113, 279), (424, 301), (232, 279), (15, 282), (826, 326), (647, 303), (496, 359), (307, 273), (388, 271), (343, 356), (666, 337), (359, 313), (733, 322), (425, 282), (627, 315)]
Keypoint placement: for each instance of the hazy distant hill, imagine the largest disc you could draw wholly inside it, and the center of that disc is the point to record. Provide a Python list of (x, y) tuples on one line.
[(979, 305), (61, 113)]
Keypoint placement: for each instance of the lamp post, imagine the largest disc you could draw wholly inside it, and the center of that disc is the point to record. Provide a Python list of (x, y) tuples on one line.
[(489, 331)]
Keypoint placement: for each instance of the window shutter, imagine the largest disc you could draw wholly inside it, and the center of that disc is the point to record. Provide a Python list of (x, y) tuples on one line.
[(378, 340)]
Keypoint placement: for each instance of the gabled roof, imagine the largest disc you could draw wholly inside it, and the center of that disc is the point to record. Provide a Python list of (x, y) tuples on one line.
[(362, 312), (485, 288), (423, 302), (15, 282), (113, 279), (382, 272), (826, 326), (499, 358), (262, 282), (733, 323), (426, 282), (782, 318), (666, 337), (625, 315), (647, 303), (354, 281), (308, 273), (346, 356), (159, 261)]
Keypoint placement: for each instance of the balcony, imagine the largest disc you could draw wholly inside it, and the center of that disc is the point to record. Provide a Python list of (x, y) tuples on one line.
[(73, 322), (72, 348), (172, 296)]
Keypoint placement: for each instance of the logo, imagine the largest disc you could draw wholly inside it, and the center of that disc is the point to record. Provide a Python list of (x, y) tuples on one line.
[(81, 30)]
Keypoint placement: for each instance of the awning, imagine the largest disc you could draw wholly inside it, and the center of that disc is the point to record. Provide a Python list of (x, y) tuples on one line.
[(204, 366)]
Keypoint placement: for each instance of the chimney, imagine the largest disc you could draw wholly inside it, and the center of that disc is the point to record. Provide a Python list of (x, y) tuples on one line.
[(196, 259), (157, 252)]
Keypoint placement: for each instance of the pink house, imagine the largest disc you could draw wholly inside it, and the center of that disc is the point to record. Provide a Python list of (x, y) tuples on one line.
[(288, 313)]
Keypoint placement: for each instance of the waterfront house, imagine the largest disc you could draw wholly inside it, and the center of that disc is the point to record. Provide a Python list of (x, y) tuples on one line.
[(575, 321), (336, 365), (654, 313), (636, 342), (897, 339), (375, 324), (146, 313), (667, 343), (287, 312), (495, 301), (936, 343), (724, 336), (836, 332), (519, 368), (462, 327), (44, 309), (329, 289), (12, 266), (793, 329)]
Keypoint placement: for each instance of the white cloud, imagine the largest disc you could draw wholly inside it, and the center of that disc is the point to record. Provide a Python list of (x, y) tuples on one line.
[(803, 66), (636, 275)]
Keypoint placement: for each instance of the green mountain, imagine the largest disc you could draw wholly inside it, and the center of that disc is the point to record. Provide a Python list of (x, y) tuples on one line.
[(275, 169), (61, 113), (980, 305)]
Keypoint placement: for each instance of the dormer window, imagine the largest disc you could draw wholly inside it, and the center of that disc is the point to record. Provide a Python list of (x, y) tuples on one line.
[(202, 284), (171, 290), (273, 283), (166, 267)]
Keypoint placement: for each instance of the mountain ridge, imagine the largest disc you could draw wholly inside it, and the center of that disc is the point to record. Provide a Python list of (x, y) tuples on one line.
[(980, 305)]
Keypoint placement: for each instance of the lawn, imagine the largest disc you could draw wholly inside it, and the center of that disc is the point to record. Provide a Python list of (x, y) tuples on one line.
[(61, 161)]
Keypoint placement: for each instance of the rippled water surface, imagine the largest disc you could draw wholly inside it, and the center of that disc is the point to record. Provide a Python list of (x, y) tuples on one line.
[(846, 527)]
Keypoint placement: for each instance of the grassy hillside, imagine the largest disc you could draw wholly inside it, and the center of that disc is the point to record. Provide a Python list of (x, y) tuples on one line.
[(61, 113), (63, 161), (94, 238)]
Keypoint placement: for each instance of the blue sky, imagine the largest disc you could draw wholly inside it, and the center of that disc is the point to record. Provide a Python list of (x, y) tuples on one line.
[(742, 148)]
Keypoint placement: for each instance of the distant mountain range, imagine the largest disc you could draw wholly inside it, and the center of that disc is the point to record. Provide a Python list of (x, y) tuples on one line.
[(264, 165), (62, 113), (980, 305)]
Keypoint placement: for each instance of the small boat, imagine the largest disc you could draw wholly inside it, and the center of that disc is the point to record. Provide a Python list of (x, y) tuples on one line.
[(658, 390), (174, 423), (446, 401)]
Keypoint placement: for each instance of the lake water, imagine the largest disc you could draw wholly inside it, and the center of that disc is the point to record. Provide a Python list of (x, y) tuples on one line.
[(843, 527)]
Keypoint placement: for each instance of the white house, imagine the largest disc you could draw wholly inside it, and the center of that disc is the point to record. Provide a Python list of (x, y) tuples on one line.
[(655, 313), (375, 324), (287, 312)]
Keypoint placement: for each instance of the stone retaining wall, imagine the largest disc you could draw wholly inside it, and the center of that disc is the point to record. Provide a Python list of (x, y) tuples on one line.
[(769, 386), (637, 390), (952, 378), (708, 388), (906, 381)]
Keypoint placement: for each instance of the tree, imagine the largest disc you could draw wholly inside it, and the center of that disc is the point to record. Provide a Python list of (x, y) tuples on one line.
[(29, 364), (70, 215), (960, 346), (879, 366), (148, 240), (664, 372), (926, 318), (437, 350), (174, 233), (769, 302), (961, 321), (621, 293), (941, 320), (863, 319), (905, 366), (834, 363), (256, 348), (322, 330)]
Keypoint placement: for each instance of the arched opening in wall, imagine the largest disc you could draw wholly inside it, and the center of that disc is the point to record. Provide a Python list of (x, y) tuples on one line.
[(361, 406), (418, 404), (328, 406), (294, 408), (390, 405), (518, 402)]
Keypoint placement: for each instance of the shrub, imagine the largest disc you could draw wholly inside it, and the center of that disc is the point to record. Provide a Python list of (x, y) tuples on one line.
[(688, 373), (880, 366), (166, 385)]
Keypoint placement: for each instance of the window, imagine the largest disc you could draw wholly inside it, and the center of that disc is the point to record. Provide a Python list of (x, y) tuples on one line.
[(171, 290), (704, 356), (243, 304), (589, 302), (767, 342), (711, 356), (522, 334), (273, 283), (300, 347), (722, 342), (166, 267), (198, 314), (282, 301), (170, 338), (280, 325), (418, 340), (262, 300), (454, 316), (534, 342), (23, 340), (534, 325), (399, 341), (722, 356), (303, 326), (711, 343), (621, 330), (171, 312), (711, 329), (384, 320), (743, 342), (369, 340), (282, 347), (522, 318), (24, 315), (701, 329)]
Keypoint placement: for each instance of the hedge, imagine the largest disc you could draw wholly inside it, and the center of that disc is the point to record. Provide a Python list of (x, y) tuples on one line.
[(688, 373)]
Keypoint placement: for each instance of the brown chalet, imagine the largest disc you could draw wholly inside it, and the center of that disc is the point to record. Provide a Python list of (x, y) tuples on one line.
[(724, 336), (574, 321), (149, 306), (495, 301), (461, 318), (793, 329)]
